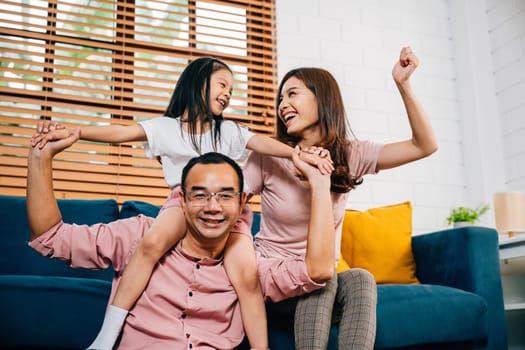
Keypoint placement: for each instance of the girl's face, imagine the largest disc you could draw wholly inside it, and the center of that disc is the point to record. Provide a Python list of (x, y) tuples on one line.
[(298, 109), (221, 84)]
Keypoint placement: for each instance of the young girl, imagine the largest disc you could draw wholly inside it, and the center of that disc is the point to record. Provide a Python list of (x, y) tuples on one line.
[(193, 125)]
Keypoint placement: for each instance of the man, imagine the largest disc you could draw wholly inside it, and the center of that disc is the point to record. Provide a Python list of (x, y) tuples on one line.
[(189, 302)]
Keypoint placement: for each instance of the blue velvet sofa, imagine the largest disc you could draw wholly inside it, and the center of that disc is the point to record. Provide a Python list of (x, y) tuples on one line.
[(46, 304)]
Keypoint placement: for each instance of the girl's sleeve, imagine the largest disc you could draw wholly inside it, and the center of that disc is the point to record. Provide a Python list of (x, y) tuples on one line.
[(151, 128), (238, 136)]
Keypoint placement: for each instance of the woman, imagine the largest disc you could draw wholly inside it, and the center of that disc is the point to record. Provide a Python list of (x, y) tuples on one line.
[(311, 115)]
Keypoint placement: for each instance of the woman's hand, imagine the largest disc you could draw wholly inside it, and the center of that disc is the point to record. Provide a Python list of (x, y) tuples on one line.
[(404, 67), (318, 156)]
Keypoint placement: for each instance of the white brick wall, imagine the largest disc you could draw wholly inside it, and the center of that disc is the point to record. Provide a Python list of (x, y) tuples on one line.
[(471, 82), (506, 21)]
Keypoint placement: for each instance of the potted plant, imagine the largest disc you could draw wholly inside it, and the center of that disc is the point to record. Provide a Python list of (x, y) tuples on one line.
[(461, 216)]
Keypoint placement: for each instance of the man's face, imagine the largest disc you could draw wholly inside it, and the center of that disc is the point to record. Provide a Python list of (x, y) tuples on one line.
[(210, 219)]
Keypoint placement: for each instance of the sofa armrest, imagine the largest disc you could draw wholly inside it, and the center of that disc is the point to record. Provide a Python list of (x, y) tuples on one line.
[(460, 257), (466, 258)]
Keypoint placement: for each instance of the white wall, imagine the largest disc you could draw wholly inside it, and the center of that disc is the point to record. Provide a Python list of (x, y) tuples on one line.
[(506, 24), (468, 98)]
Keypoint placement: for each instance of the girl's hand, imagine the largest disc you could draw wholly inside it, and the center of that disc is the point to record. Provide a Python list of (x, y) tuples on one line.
[(45, 126), (47, 131), (403, 68), (318, 156), (58, 145), (307, 172)]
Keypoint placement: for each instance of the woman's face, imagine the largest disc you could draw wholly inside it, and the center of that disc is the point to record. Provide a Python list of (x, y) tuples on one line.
[(298, 109), (221, 85)]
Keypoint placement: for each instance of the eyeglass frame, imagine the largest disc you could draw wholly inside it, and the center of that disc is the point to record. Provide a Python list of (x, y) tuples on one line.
[(209, 195)]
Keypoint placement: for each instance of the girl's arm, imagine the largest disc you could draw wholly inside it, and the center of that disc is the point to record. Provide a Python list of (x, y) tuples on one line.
[(423, 142), (241, 266), (50, 131), (113, 133), (267, 145)]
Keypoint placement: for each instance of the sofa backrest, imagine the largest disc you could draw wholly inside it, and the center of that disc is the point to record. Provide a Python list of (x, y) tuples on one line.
[(18, 258), (134, 208)]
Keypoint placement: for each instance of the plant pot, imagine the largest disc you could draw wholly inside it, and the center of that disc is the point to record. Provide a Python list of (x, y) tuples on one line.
[(461, 224)]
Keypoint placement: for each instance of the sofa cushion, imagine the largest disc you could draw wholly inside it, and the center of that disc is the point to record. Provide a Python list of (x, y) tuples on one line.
[(23, 260), (134, 208), (51, 312), (418, 314), (380, 240)]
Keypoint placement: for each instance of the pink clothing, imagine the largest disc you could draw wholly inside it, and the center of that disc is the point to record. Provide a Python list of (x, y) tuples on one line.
[(189, 303), (279, 278), (283, 278), (285, 201), (173, 199)]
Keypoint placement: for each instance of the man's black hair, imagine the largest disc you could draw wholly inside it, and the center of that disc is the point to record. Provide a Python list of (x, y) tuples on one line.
[(211, 158)]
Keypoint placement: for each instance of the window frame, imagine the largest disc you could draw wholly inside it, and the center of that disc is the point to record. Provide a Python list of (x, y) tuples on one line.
[(76, 174)]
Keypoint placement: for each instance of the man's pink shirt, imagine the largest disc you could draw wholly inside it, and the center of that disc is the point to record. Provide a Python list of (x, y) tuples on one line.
[(187, 301)]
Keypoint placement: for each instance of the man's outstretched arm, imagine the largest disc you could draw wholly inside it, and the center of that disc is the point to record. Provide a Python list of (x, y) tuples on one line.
[(42, 207)]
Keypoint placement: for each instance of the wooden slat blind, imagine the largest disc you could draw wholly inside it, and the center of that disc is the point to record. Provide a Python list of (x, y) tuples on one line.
[(99, 62)]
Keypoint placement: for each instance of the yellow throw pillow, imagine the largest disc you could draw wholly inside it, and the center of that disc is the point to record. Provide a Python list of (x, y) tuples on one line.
[(380, 241)]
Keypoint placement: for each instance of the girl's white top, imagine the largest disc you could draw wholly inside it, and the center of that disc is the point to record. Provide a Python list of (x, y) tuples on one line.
[(167, 139)]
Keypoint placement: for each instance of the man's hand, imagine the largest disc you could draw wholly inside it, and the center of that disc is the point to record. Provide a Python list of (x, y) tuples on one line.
[(319, 157), (47, 131), (59, 141)]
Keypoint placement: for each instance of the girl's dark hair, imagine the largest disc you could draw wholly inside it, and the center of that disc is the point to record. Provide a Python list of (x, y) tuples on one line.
[(192, 94), (332, 121)]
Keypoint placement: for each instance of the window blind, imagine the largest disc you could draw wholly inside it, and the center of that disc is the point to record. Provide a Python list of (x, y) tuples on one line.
[(85, 62)]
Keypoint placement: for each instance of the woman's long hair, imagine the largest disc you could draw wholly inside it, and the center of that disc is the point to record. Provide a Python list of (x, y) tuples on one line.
[(192, 95), (332, 121)]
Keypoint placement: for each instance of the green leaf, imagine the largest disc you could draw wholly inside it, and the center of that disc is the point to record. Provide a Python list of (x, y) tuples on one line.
[(463, 214)]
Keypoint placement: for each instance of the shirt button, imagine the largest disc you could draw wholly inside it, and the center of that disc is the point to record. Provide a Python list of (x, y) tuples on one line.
[(198, 266), (187, 335), (190, 293), (191, 346), (183, 316)]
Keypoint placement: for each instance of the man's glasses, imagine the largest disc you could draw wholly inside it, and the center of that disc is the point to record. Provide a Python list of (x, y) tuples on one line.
[(201, 198)]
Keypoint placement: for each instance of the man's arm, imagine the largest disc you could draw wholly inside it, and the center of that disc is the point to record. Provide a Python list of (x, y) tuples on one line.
[(42, 207), (320, 244)]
